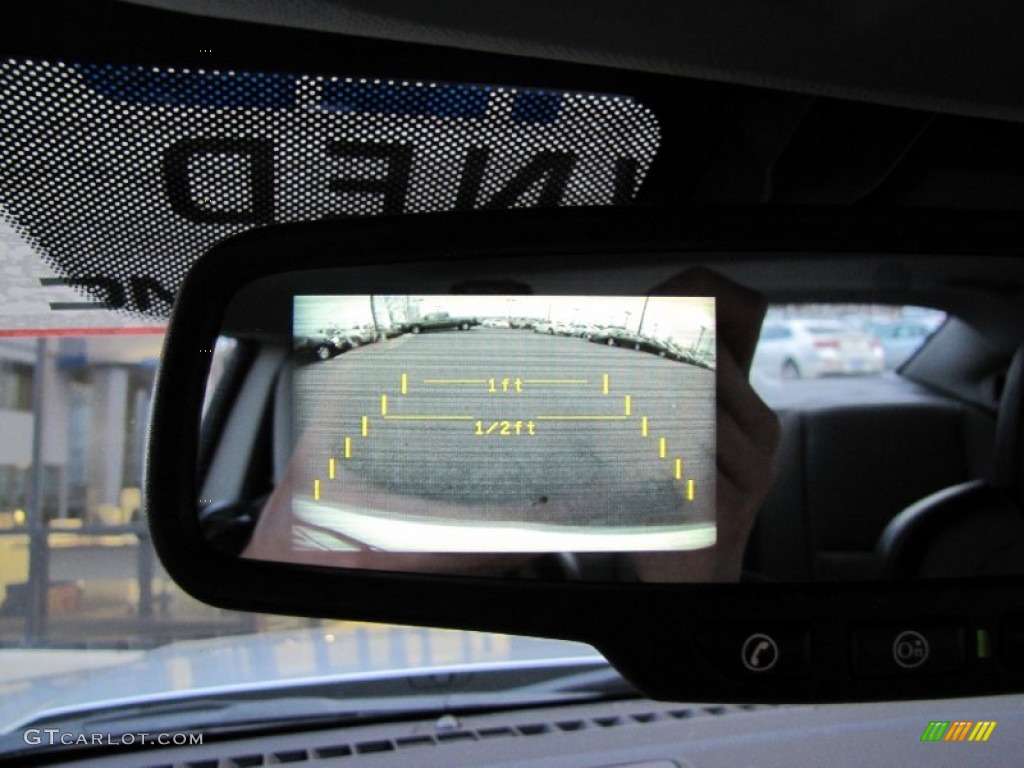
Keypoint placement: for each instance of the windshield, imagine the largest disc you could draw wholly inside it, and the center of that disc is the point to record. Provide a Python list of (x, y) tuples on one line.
[(116, 177), (88, 618)]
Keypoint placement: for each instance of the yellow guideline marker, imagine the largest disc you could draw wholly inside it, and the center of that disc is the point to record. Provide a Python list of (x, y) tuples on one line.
[(629, 399), (330, 469), (428, 418), (574, 418), (643, 426), (348, 447), (604, 385), (679, 469), (661, 447), (383, 405), (366, 426), (689, 490), (405, 384), (316, 490)]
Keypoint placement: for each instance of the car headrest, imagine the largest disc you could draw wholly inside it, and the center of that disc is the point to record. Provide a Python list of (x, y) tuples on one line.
[(963, 531), (1009, 456)]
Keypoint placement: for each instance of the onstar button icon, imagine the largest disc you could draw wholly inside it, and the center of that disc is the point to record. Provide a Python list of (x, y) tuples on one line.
[(910, 649)]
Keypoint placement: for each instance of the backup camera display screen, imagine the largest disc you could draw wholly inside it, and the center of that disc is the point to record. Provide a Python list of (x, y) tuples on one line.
[(504, 423)]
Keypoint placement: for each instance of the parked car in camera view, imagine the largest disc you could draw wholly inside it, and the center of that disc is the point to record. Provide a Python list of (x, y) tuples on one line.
[(621, 337), (808, 348), (441, 321), (616, 337), (331, 342)]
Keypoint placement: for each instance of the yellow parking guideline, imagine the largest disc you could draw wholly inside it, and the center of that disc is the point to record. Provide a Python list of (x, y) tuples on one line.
[(428, 418), (629, 402), (643, 426), (366, 426), (982, 730), (383, 405), (405, 384), (330, 469), (604, 384), (662, 447), (689, 490), (679, 469), (581, 418), (316, 490), (348, 447)]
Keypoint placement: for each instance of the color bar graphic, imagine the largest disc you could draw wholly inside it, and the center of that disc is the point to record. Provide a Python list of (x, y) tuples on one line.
[(959, 730)]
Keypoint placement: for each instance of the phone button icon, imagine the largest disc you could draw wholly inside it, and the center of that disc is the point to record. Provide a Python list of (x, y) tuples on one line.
[(757, 650), (760, 653)]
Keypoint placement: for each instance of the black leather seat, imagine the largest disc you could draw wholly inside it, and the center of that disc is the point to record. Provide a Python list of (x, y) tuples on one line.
[(974, 528), (843, 471)]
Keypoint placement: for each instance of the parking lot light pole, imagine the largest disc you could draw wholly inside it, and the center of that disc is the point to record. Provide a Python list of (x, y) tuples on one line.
[(643, 314)]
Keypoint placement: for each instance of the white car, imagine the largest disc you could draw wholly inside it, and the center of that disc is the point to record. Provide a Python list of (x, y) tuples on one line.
[(808, 348)]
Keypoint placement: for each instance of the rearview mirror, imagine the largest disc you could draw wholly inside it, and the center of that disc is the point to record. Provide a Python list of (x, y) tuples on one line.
[(429, 424)]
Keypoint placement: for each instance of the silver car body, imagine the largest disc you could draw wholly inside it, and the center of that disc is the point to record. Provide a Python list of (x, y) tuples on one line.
[(809, 348)]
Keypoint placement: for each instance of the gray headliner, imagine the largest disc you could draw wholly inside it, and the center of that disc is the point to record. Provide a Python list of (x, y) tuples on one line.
[(948, 56)]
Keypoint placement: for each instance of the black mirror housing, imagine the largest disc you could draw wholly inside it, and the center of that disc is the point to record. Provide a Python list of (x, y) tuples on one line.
[(736, 642)]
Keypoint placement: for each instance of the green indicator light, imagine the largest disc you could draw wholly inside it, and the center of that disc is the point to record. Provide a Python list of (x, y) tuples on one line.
[(984, 650)]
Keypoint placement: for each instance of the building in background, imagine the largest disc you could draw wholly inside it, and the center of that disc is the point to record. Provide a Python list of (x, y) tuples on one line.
[(94, 408)]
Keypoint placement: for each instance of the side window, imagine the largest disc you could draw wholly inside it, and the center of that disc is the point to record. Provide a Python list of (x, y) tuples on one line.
[(15, 386), (835, 350), (775, 333)]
